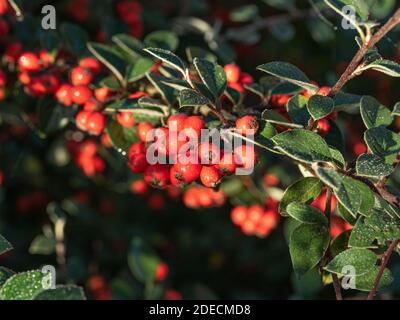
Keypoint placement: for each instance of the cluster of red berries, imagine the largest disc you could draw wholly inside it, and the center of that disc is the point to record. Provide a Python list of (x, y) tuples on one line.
[(255, 220), (211, 164), (130, 12), (236, 78), (99, 287), (86, 157), (196, 197)]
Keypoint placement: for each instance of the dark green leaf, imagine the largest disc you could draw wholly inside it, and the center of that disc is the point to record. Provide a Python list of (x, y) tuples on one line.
[(42, 245), (319, 106), (166, 40), (212, 75), (383, 142), (396, 109), (306, 213), (169, 58), (371, 165), (304, 190), (5, 273), (276, 118), (388, 67), (139, 69), (191, 98), (373, 113), (303, 145), (75, 37), (4, 245), (362, 260), (122, 138), (68, 292), (166, 91), (244, 13), (288, 72), (198, 52), (307, 246), (297, 110), (128, 45), (362, 235), (110, 58), (366, 281)]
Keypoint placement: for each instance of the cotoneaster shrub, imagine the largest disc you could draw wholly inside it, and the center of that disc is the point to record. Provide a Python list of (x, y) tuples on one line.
[(130, 93)]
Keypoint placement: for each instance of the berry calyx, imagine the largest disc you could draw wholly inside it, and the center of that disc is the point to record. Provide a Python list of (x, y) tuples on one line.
[(157, 175)]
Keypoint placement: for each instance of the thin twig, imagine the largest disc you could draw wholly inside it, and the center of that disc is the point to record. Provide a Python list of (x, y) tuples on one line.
[(384, 263), (348, 73)]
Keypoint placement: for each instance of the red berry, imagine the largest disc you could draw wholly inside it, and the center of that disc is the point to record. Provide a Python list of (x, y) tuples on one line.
[(247, 125), (245, 156), (81, 76), (162, 271), (63, 94), (125, 119), (96, 123), (3, 7), (137, 95), (138, 163), (227, 165), (90, 105), (210, 176), (145, 131), (2, 94), (245, 78), (271, 180), (208, 153), (24, 77), (185, 173), (81, 94), (102, 94), (255, 212), (176, 122), (13, 51), (3, 78), (139, 187), (239, 215), (82, 120), (232, 72), (157, 175), (323, 126), (3, 28), (136, 148), (90, 63), (193, 126), (324, 91), (46, 58), (29, 61)]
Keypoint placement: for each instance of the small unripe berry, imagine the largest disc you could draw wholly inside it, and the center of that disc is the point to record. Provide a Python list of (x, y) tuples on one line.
[(210, 176)]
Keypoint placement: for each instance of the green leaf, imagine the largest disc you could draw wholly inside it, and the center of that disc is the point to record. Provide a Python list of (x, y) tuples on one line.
[(122, 138), (139, 69), (166, 91), (274, 117), (362, 235), (49, 40), (166, 40), (297, 110), (191, 98), (303, 145), (288, 72), (42, 245), (198, 52), (319, 106), (385, 225), (111, 83), (304, 190), (142, 261), (308, 243), (52, 118), (347, 102), (75, 38), (396, 109), (110, 58), (61, 292), (244, 13), (362, 260), (169, 58), (128, 45), (306, 213), (339, 243), (233, 95), (372, 166), (366, 281), (22, 286), (267, 130), (383, 142), (359, 6), (212, 75), (380, 9), (388, 67), (5, 274), (4, 245), (373, 113)]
